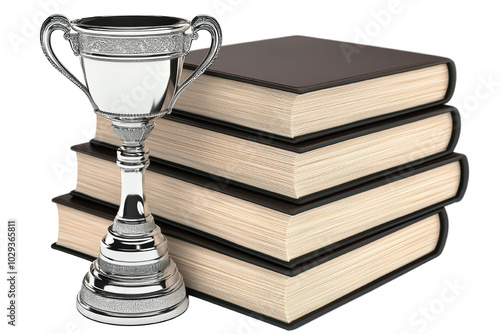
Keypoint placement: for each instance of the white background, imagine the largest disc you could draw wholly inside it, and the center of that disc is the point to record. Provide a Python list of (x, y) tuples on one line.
[(43, 114)]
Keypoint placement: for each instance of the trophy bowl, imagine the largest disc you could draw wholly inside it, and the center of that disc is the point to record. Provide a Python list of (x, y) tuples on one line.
[(132, 66)]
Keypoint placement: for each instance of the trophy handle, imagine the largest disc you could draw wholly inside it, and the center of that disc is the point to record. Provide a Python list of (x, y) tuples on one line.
[(211, 25), (59, 22)]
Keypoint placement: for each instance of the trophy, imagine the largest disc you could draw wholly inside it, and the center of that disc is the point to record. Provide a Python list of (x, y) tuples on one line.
[(132, 66)]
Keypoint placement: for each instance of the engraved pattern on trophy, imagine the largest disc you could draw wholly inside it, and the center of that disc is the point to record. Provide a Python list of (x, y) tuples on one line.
[(133, 280), (130, 306), (133, 134), (107, 266), (138, 45)]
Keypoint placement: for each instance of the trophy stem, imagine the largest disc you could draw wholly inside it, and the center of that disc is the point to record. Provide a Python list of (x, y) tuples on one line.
[(133, 159), (133, 281)]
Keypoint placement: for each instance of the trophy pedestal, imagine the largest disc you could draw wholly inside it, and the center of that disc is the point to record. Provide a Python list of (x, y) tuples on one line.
[(132, 286), (133, 281)]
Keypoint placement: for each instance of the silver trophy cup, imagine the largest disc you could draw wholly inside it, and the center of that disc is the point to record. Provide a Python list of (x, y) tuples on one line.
[(132, 66)]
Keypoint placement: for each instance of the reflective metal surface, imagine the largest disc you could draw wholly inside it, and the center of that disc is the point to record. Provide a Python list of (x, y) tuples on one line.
[(132, 66)]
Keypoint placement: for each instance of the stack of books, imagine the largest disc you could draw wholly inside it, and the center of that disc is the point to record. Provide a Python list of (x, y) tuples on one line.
[(290, 181)]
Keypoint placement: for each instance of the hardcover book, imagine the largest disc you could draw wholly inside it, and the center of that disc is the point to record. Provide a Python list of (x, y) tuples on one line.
[(300, 87), (275, 229), (284, 297), (302, 171)]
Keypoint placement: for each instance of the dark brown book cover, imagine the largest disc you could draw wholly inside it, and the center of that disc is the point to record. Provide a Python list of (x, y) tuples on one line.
[(300, 64), (107, 211), (313, 144)]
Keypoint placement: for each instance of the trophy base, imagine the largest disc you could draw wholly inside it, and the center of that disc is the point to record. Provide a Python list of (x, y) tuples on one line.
[(127, 319), (133, 281)]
